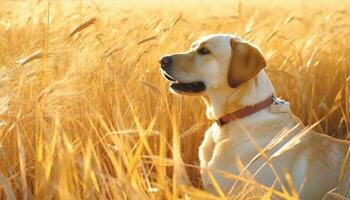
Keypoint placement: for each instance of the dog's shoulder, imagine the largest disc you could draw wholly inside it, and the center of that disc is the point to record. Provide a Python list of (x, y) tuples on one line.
[(310, 150), (308, 141)]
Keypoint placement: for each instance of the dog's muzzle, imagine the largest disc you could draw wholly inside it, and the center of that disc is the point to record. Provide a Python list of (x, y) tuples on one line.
[(192, 87)]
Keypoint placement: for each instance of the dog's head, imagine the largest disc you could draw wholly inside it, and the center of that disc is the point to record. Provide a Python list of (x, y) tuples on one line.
[(212, 62)]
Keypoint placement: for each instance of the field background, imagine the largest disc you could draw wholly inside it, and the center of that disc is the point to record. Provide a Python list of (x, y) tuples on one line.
[(85, 114)]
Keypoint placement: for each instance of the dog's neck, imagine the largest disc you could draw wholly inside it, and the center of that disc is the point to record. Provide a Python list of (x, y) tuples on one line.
[(226, 100)]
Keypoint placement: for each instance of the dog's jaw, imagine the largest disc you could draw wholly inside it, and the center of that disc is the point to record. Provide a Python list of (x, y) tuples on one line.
[(226, 100)]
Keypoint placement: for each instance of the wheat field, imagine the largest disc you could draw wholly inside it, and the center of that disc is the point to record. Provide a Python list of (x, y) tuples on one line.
[(85, 113)]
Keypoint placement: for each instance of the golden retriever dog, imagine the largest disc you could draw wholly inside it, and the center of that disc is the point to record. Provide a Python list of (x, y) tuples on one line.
[(254, 134)]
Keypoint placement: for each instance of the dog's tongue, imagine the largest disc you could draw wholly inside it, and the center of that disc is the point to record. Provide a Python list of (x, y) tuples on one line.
[(189, 87)]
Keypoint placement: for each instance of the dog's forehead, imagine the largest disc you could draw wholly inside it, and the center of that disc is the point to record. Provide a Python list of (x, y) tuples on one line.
[(211, 40), (216, 41)]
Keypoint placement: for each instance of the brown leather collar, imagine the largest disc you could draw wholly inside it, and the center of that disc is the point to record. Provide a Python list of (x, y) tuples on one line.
[(244, 112)]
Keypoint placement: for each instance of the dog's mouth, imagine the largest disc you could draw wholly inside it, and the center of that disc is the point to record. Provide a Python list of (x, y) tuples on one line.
[(197, 86)]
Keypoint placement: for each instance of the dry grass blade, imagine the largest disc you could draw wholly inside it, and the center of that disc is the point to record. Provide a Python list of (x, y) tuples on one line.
[(147, 39), (133, 132), (111, 51), (34, 56), (216, 185), (83, 26), (151, 86), (22, 163), (271, 35), (4, 104), (176, 21), (289, 19), (248, 28), (6, 187)]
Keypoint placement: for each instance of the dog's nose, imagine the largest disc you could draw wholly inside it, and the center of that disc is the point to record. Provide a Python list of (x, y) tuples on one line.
[(166, 60)]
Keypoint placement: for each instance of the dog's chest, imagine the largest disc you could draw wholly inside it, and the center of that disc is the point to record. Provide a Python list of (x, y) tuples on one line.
[(240, 144), (241, 156)]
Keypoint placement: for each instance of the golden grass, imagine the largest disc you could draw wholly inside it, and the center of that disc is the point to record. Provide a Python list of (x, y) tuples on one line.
[(85, 113)]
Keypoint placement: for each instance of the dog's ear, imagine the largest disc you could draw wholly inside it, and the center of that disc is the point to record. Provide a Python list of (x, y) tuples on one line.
[(246, 62)]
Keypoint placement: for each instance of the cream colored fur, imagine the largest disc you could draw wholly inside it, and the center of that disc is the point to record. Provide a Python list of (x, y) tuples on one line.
[(265, 146)]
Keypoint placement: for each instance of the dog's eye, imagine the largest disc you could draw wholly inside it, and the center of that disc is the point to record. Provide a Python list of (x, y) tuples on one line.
[(203, 51)]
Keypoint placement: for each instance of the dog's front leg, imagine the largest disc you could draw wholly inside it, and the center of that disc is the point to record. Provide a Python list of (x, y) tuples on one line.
[(206, 149), (222, 160)]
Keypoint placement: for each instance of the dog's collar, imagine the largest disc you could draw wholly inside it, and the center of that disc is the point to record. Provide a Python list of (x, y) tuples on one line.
[(244, 112)]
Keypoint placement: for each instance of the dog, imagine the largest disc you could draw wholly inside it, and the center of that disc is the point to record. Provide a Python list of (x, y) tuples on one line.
[(254, 134)]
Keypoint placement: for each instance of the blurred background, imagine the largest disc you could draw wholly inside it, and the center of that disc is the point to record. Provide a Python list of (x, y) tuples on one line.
[(85, 113)]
